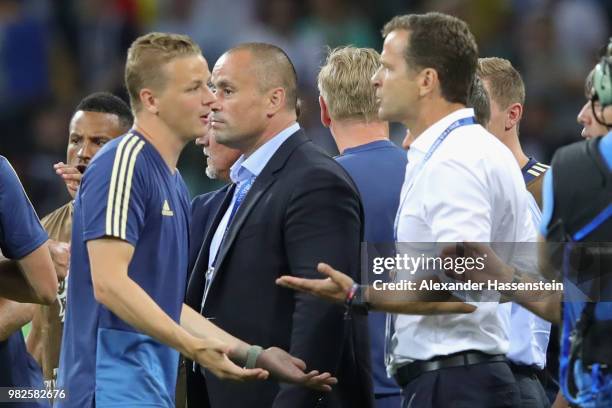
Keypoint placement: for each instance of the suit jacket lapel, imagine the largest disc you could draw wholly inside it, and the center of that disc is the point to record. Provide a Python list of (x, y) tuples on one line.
[(195, 287), (261, 184)]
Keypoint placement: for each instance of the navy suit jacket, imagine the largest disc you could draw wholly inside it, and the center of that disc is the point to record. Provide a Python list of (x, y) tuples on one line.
[(203, 210), (302, 209)]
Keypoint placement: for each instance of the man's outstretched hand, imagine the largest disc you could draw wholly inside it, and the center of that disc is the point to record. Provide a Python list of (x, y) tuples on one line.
[(334, 288), (286, 368)]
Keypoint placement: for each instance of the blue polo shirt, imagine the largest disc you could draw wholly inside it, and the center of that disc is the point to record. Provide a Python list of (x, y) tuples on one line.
[(378, 169), (20, 234), (129, 193)]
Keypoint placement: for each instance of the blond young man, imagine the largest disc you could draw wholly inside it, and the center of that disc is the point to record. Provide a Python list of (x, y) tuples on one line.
[(529, 334), (126, 322), (349, 109)]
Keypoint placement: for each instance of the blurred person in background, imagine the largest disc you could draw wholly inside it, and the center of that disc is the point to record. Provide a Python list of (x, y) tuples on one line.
[(219, 160), (529, 334), (97, 119), (350, 110), (592, 125), (479, 100)]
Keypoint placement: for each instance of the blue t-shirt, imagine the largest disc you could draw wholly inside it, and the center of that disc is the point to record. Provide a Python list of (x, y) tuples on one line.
[(20, 234), (378, 169), (20, 229), (127, 192)]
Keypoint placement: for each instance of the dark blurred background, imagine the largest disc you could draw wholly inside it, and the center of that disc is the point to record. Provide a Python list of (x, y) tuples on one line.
[(54, 52)]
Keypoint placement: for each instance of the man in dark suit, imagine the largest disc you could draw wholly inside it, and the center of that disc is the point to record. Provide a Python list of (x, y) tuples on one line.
[(291, 206), (219, 159)]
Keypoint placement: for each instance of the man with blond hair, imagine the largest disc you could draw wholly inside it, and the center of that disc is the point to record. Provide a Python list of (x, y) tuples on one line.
[(529, 333), (126, 321), (349, 110), (506, 91)]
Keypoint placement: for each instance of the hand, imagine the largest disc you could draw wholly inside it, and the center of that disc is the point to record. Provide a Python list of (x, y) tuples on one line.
[(286, 368), (212, 354), (60, 255), (71, 175), (334, 288)]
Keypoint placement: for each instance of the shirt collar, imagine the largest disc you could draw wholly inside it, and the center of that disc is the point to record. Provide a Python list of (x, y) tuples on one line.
[(255, 163), (429, 136)]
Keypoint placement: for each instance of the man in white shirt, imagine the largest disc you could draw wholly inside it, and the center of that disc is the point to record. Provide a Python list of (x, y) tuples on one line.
[(529, 333), (462, 184)]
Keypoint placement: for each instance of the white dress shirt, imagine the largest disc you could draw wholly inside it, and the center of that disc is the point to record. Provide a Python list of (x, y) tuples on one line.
[(529, 334), (471, 189)]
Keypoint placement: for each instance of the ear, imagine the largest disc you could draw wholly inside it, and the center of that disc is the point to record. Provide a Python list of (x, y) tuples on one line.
[(148, 101), (427, 81), (325, 118), (513, 115), (276, 101)]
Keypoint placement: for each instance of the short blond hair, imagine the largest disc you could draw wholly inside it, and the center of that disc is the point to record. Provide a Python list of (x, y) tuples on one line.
[(505, 82), (344, 83), (146, 58)]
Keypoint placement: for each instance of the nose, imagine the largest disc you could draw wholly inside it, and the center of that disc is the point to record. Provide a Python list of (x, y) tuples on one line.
[(85, 152), (215, 106), (584, 115), (375, 80), (208, 96)]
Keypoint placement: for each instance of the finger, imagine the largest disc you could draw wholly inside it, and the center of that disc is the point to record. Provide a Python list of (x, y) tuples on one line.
[(323, 382), (333, 274), (298, 363), (312, 374), (318, 385), (67, 169), (320, 376), (70, 177), (301, 284)]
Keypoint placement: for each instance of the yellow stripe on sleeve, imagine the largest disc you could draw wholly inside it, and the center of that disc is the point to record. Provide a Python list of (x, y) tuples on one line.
[(128, 187), (113, 184), (121, 183)]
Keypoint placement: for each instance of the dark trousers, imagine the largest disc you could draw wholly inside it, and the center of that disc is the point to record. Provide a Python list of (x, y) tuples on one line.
[(388, 401), (531, 391), (486, 385)]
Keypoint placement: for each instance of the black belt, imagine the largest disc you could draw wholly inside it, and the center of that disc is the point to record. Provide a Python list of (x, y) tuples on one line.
[(409, 372), (527, 370)]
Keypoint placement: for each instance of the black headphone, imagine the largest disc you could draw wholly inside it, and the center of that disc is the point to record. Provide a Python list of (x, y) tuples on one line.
[(602, 83)]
